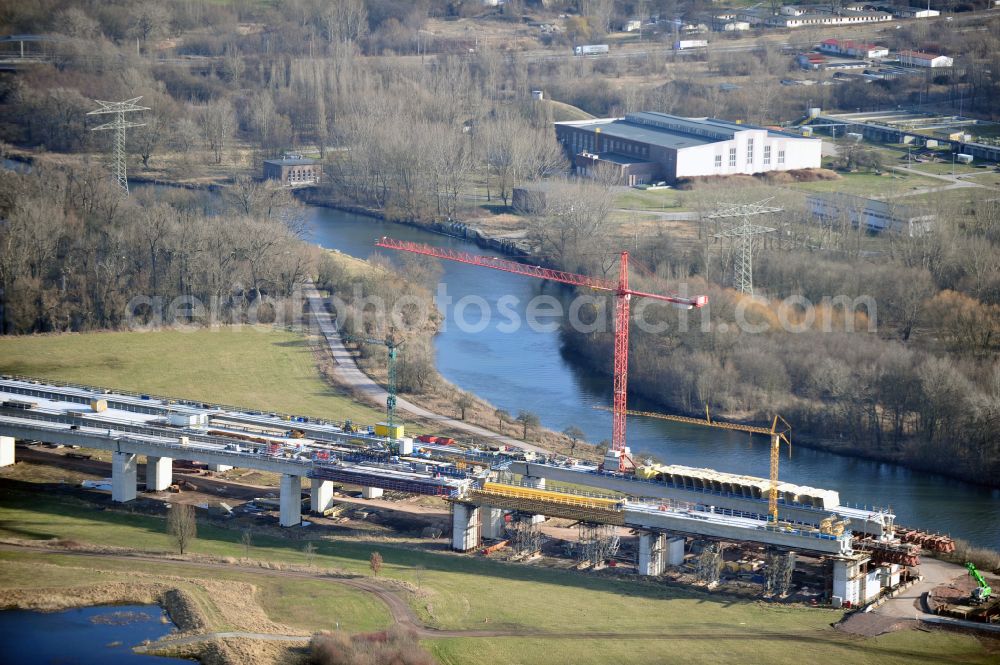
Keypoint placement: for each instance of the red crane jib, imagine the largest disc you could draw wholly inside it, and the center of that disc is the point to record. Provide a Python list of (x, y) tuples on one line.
[(532, 271), (620, 288)]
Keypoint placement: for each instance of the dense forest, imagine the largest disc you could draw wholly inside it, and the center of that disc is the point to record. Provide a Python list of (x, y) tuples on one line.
[(891, 353)]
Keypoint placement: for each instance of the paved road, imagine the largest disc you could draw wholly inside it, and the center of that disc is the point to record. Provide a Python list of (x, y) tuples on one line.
[(348, 373), (906, 605)]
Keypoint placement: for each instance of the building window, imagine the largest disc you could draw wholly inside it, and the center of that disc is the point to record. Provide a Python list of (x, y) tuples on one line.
[(732, 156), (781, 156), (767, 155), (749, 151), (718, 161)]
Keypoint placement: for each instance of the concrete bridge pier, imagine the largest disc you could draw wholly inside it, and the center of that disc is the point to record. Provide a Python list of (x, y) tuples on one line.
[(219, 468), (465, 526), (6, 450), (652, 552), (159, 473), (534, 482), (320, 495), (371, 492), (537, 483), (291, 500), (124, 471), (493, 522)]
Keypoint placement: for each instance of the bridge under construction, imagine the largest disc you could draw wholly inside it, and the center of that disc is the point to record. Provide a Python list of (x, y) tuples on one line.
[(486, 489)]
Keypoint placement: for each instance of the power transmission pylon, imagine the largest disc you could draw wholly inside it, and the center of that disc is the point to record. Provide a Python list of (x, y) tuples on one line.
[(392, 345), (743, 235), (119, 124)]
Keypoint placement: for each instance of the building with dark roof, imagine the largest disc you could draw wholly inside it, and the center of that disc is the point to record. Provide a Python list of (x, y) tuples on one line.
[(650, 146), (293, 170)]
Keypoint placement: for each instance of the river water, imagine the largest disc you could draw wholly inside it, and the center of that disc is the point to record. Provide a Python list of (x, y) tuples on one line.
[(101, 635), (527, 370)]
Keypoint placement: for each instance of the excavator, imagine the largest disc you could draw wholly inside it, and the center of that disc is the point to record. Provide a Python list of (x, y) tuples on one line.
[(983, 592)]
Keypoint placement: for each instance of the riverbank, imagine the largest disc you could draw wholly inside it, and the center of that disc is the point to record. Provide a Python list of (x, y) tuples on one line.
[(819, 441)]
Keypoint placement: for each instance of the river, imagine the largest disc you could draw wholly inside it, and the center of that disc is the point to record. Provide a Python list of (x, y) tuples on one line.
[(528, 370), (101, 635)]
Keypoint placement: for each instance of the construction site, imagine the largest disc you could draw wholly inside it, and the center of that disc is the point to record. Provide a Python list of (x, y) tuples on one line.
[(757, 536)]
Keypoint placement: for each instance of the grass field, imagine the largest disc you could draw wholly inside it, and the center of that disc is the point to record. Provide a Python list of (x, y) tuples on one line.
[(721, 645), (656, 199), (298, 603), (945, 168), (562, 112), (869, 184), (262, 368), (460, 592), (963, 196), (989, 178)]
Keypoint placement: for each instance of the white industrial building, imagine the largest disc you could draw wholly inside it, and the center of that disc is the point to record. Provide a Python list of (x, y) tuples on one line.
[(852, 48), (924, 59), (875, 216), (916, 12), (651, 146)]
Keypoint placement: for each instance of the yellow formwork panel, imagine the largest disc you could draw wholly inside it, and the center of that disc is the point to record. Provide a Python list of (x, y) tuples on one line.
[(531, 494)]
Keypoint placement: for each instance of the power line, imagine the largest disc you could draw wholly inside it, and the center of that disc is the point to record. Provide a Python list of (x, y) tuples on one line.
[(119, 124), (743, 237)]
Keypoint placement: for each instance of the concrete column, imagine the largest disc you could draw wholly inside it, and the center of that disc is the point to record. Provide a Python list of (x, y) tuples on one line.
[(532, 481), (538, 484), (321, 495), (6, 450), (675, 551), (124, 469), (493, 522), (219, 468), (652, 553), (465, 528), (159, 473), (291, 500), (371, 492), (846, 586)]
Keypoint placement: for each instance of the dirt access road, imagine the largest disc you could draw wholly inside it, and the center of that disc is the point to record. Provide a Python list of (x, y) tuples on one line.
[(350, 375)]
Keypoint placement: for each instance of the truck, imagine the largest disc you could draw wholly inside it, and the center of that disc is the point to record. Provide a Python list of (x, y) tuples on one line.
[(590, 49), (688, 44)]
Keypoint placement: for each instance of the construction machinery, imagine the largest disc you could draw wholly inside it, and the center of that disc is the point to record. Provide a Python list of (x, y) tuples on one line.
[(983, 591), (779, 431), (623, 295), (390, 428)]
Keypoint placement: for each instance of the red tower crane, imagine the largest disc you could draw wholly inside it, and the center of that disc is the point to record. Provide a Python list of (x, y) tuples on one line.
[(623, 294)]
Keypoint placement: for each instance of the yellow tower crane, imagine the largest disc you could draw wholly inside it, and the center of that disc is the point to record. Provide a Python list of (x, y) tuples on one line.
[(779, 431)]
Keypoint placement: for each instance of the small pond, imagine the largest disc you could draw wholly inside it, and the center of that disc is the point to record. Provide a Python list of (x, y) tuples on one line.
[(101, 635)]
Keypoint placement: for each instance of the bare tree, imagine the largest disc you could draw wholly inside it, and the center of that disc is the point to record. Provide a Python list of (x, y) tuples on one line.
[(575, 434), (375, 563), (150, 20), (246, 539), (528, 421), (309, 549), (218, 123), (463, 402), (502, 416), (182, 524)]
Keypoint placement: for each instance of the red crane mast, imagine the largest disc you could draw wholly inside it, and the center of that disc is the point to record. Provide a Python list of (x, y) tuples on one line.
[(623, 294)]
